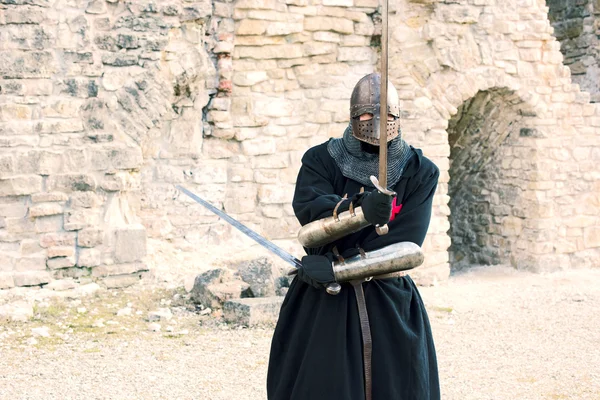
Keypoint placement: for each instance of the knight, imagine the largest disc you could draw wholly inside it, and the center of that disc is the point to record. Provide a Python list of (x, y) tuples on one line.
[(373, 339)]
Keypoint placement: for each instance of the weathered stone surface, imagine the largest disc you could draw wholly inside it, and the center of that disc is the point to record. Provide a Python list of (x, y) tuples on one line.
[(121, 281), (31, 278), (339, 25), (89, 237), (6, 280), (111, 112), (261, 275), (21, 65), (162, 314), (58, 239), (118, 269), (18, 311), (71, 182), (130, 244), (32, 263), (63, 284), (42, 210), (19, 186), (253, 311), (61, 262), (269, 51), (89, 257), (216, 286)]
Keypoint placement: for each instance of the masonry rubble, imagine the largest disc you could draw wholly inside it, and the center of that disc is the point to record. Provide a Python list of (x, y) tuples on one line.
[(106, 106)]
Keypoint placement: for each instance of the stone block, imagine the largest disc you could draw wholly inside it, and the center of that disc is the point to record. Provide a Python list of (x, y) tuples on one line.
[(49, 197), (253, 311), (240, 174), (32, 263), (196, 11), (89, 237), (130, 244), (29, 247), (6, 280), (339, 25), (19, 226), (275, 194), (61, 251), (7, 166), (241, 199), (71, 182), (63, 284), (591, 237), (23, 15), (89, 257), (32, 278), (211, 172), (269, 51), (118, 269), (256, 4), (214, 287), (267, 176), (58, 239), (17, 209), (52, 223), (120, 60), (10, 112), (23, 65), (60, 262), (259, 146), (355, 54), (252, 27), (249, 78), (18, 311), (45, 209), (21, 185), (317, 48), (278, 160), (121, 281), (80, 87), (85, 200), (284, 28), (49, 163), (125, 157), (261, 275)]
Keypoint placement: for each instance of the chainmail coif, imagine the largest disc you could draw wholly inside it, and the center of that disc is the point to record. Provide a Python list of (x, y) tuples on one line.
[(359, 165)]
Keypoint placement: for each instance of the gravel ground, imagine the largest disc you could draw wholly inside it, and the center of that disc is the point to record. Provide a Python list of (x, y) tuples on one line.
[(500, 334)]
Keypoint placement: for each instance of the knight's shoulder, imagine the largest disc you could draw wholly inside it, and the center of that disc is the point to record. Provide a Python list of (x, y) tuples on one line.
[(425, 167), (317, 153)]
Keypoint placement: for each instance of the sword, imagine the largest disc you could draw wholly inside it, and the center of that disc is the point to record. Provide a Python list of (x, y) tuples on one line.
[(381, 184), (332, 288)]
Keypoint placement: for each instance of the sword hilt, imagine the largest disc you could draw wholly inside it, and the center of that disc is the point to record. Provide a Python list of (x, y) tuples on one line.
[(333, 288), (381, 230)]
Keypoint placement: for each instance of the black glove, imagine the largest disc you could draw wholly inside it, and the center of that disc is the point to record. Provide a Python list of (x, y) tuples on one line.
[(317, 271), (377, 207)]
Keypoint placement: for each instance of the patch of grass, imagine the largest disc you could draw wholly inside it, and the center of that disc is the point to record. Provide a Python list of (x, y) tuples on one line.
[(55, 309), (443, 309), (92, 350), (48, 343)]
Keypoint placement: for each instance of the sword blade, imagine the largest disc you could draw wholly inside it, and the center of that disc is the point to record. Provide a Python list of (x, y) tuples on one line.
[(383, 111), (284, 255)]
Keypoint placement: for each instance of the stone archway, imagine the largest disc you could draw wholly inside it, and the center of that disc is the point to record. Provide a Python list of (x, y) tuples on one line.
[(491, 170)]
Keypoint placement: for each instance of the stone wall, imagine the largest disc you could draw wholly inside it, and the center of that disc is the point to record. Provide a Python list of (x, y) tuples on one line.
[(106, 105), (576, 27), (490, 170)]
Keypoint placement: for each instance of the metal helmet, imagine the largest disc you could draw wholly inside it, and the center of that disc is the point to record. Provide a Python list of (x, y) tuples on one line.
[(365, 100)]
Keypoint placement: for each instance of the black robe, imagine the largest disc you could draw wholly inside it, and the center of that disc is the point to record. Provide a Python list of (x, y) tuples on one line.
[(316, 351)]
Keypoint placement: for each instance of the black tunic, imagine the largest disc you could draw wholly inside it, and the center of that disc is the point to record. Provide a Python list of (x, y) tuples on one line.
[(316, 351)]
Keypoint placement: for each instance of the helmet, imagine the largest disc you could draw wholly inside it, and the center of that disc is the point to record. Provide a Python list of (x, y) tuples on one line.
[(365, 99)]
